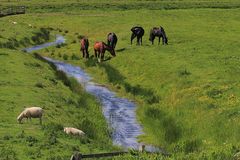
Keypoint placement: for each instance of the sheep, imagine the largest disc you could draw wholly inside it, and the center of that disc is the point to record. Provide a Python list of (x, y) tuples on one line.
[(73, 131), (13, 22), (32, 112)]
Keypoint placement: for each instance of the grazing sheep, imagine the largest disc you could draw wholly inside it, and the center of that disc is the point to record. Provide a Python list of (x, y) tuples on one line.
[(73, 131), (32, 112)]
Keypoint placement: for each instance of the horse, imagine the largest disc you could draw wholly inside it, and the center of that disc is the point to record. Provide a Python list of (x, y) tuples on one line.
[(160, 33), (84, 47), (112, 40), (100, 48), (137, 32)]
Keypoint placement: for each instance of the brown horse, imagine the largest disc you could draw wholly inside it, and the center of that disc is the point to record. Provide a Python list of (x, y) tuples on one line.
[(160, 33), (100, 48), (137, 32), (84, 47), (112, 40)]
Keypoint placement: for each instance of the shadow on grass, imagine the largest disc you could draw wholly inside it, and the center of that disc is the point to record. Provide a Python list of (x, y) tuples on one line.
[(121, 50), (171, 131), (115, 77)]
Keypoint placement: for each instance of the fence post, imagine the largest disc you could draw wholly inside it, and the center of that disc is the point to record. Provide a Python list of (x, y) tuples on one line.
[(141, 148), (76, 156)]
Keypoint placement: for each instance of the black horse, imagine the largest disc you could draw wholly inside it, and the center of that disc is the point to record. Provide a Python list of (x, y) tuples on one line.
[(137, 32), (160, 33), (112, 40)]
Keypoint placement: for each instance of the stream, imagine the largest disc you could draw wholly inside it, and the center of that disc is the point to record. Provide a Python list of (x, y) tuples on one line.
[(120, 113)]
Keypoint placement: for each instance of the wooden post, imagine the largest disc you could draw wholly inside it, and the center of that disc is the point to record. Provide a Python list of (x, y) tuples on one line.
[(76, 156), (141, 148)]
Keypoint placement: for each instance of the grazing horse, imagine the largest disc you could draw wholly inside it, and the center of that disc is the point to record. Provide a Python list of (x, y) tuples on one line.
[(84, 47), (112, 40), (160, 33), (100, 48), (137, 32)]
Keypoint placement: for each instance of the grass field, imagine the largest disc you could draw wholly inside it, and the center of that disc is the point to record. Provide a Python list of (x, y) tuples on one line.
[(187, 92)]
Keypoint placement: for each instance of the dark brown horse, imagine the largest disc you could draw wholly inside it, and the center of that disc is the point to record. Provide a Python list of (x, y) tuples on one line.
[(160, 33), (100, 48), (112, 40), (84, 47), (137, 32)]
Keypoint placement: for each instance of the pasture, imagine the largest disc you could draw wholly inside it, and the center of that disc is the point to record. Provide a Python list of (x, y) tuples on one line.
[(187, 92)]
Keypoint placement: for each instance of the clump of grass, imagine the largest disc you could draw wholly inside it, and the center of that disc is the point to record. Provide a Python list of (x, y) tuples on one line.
[(60, 45), (40, 85), (91, 62), (25, 41), (37, 65), (34, 153), (74, 41), (80, 36), (184, 72), (7, 153), (88, 127), (41, 36), (49, 127), (59, 55), (21, 135), (75, 57), (65, 56), (215, 93), (52, 138), (152, 99), (31, 140), (7, 137)]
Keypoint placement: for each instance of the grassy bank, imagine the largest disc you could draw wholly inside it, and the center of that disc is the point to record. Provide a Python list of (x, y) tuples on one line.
[(25, 81)]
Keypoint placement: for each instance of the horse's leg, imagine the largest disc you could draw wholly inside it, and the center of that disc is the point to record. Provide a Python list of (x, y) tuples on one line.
[(83, 51), (138, 40), (159, 40), (132, 37), (40, 120), (87, 56), (95, 52), (102, 56), (99, 52)]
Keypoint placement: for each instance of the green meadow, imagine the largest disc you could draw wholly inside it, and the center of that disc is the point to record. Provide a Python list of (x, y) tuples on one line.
[(187, 93)]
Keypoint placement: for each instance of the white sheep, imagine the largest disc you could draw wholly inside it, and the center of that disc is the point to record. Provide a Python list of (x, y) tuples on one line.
[(73, 131), (32, 112)]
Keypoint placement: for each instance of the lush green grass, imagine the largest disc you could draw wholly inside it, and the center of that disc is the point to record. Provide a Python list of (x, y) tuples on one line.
[(187, 92), (25, 81)]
